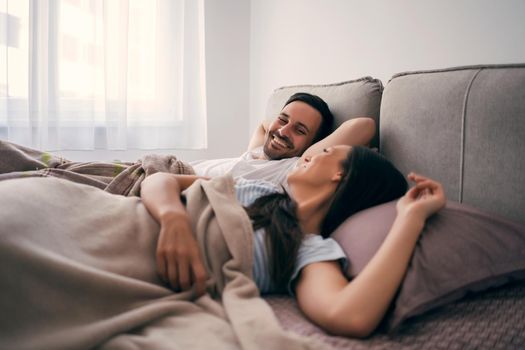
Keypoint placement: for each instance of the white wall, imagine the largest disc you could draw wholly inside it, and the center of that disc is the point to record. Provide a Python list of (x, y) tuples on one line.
[(227, 26), (255, 46), (325, 41)]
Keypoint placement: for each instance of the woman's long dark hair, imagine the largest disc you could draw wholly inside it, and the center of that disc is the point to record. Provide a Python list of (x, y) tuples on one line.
[(276, 213), (369, 179)]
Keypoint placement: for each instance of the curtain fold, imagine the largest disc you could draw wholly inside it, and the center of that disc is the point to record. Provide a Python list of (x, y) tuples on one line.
[(102, 74)]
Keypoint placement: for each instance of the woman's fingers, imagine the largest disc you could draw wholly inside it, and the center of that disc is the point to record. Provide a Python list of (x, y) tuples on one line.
[(423, 181), (420, 178), (412, 193), (427, 185), (424, 187), (416, 177)]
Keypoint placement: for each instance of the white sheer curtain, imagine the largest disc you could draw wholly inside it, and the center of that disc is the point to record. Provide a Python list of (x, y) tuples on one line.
[(102, 74)]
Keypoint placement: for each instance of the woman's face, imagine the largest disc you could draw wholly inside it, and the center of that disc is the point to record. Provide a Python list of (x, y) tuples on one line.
[(322, 167)]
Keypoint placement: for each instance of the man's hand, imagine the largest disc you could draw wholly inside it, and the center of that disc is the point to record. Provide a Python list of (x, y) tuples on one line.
[(179, 261)]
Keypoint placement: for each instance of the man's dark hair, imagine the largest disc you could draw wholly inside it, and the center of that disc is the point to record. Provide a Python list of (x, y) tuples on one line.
[(320, 105)]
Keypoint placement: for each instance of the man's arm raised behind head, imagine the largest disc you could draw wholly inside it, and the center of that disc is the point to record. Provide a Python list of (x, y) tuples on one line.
[(353, 132), (258, 135)]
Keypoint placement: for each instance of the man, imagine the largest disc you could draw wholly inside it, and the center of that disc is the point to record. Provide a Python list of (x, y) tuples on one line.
[(302, 129)]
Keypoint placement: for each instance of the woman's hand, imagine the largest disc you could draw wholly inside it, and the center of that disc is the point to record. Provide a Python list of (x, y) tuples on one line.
[(179, 261), (422, 200)]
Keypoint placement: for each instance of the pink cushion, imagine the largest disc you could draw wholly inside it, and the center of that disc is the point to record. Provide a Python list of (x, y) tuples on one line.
[(461, 249)]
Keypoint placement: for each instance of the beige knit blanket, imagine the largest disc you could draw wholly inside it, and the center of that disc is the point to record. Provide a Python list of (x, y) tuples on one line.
[(115, 177), (77, 271)]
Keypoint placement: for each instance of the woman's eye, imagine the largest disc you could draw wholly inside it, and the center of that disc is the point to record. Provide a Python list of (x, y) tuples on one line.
[(325, 150)]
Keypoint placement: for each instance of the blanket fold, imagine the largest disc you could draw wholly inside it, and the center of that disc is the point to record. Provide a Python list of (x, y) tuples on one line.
[(77, 268), (117, 177)]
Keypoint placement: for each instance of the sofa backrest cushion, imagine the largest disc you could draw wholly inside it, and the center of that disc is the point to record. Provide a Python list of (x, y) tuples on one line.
[(463, 126), (346, 100)]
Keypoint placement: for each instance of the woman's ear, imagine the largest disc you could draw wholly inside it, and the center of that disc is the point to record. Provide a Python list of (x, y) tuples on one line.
[(337, 176)]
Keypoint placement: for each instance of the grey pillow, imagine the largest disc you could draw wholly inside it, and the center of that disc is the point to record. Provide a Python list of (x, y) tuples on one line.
[(346, 100), (461, 250)]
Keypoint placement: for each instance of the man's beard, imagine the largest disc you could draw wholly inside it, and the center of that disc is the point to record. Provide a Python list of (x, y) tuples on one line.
[(284, 145)]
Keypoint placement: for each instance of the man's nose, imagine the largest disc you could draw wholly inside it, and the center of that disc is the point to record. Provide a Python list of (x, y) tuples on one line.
[(286, 130)]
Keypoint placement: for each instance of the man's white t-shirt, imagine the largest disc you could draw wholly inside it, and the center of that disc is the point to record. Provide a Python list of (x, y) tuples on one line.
[(250, 165)]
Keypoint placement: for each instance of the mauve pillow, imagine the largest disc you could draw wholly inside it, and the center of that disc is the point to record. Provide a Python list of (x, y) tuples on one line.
[(461, 249)]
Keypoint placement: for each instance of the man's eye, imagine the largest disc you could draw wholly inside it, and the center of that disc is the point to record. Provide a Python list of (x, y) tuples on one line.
[(301, 131), (282, 121), (325, 150)]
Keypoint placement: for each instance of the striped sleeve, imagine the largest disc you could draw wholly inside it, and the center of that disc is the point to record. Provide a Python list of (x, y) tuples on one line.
[(247, 191)]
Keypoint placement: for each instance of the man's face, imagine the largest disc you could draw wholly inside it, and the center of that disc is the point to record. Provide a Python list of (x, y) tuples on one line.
[(292, 132)]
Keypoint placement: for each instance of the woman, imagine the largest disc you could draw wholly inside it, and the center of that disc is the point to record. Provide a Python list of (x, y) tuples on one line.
[(324, 190)]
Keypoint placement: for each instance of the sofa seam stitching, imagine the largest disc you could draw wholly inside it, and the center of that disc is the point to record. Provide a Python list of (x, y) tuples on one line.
[(462, 142), (368, 79)]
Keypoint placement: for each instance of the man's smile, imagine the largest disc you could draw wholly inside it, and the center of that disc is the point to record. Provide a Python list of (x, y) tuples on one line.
[(278, 142)]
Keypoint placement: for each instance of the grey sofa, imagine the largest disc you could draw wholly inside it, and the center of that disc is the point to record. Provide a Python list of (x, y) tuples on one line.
[(464, 126)]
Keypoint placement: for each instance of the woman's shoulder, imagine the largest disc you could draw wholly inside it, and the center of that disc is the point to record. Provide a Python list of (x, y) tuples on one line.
[(316, 240), (315, 248)]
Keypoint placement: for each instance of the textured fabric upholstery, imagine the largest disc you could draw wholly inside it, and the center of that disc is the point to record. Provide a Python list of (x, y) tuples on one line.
[(347, 100), (463, 126)]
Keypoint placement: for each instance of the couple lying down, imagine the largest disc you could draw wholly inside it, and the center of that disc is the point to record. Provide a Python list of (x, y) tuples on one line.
[(289, 229), (54, 247), (292, 251)]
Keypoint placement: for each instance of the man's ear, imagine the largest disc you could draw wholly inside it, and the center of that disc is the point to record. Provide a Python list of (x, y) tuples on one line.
[(337, 176)]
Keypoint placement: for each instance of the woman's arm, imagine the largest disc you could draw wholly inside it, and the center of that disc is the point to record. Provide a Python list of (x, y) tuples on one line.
[(178, 257), (356, 308)]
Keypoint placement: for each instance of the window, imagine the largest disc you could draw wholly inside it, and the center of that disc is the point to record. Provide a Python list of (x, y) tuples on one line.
[(86, 74)]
